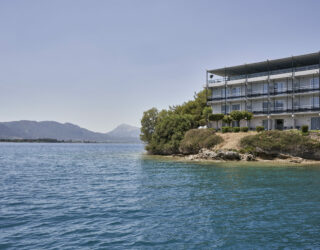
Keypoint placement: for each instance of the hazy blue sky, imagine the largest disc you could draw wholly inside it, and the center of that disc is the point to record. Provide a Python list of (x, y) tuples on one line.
[(101, 63)]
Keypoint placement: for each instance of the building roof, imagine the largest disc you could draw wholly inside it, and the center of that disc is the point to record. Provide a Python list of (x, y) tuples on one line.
[(282, 63)]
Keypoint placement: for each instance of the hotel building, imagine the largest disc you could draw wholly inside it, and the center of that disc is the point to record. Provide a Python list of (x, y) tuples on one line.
[(282, 93)]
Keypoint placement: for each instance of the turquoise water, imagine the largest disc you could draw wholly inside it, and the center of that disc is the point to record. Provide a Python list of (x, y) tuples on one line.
[(108, 196)]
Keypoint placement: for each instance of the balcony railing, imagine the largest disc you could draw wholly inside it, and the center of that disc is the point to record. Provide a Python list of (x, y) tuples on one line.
[(274, 72), (277, 110), (252, 94)]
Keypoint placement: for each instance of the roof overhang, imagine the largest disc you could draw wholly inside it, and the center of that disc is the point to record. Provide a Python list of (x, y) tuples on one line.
[(269, 65)]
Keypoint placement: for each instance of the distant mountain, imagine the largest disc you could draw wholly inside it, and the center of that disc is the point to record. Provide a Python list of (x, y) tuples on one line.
[(65, 131), (124, 131)]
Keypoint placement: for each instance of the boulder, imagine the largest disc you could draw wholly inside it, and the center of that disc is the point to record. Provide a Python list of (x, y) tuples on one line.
[(248, 157)]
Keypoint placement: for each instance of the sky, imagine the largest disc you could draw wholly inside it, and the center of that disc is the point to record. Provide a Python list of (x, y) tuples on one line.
[(100, 63)]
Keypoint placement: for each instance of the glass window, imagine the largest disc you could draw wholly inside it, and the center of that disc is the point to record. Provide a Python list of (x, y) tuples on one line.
[(235, 91), (279, 105), (279, 86), (265, 88), (224, 108), (314, 82), (236, 107), (248, 106), (265, 106), (265, 124), (315, 101), (223, 92)]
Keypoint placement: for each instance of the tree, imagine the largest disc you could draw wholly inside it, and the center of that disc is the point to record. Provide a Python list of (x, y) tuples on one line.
[(216, 118), (227, 119), (164, 130), (247, 116), (148, 124), (207, 111), (237, 116), (169, 132), (195, 107)]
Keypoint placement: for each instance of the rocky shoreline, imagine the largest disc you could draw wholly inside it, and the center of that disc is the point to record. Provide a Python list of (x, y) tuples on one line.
[(232, 155)]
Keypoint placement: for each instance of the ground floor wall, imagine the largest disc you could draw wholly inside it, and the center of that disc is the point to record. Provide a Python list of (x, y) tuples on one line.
[(280, 122)]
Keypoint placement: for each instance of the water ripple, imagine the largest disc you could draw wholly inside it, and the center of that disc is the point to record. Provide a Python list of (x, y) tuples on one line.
[(108, 196)]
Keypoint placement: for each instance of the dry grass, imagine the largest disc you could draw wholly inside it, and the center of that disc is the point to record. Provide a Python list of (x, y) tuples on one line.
[(232, 140)]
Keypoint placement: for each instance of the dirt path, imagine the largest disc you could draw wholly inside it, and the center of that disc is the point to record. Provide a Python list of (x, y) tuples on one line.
[(231, 140)]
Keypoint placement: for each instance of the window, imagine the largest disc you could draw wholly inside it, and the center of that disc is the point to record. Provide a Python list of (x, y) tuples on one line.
[(314, 82), (249, 107), (236, 107), (265, 106), (235, 124), (235, 91), (223, 92), (224, 109), (296, 104), (315, 101), (265, 124), (278, 86), (315, 123), (279, 105), (265, 88)]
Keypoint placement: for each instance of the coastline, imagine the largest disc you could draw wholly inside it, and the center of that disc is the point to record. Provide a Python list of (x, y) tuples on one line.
[(257, 162)]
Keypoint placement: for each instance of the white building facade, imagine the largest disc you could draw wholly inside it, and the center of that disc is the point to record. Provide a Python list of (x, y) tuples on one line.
[(282, 93)]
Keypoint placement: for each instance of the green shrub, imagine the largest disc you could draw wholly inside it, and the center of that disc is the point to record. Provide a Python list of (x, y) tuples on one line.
[(226, 129), (244, 129), (195, 139), (236, 129), (285, 142), (305, 128), (259, 128)]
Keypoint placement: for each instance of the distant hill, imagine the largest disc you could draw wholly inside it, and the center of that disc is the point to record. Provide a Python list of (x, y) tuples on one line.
[(65, 131)]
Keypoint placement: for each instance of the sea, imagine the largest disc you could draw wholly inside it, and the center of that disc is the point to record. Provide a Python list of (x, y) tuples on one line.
[(114, 196)]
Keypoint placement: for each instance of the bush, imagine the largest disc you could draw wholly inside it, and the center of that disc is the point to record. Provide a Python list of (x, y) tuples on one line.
[(195, 139), (244, 129), (236, 129), (259, 128), (285, 142), (226, 129), (305, 129)]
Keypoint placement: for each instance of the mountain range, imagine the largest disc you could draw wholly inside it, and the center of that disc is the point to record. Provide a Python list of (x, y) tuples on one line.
[(65, 131)]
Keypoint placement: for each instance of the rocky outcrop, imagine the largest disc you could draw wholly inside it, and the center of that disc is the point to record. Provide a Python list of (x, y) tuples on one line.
[(226, 155)]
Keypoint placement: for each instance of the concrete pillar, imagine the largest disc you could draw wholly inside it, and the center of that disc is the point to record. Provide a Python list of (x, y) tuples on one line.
[(293, 121)]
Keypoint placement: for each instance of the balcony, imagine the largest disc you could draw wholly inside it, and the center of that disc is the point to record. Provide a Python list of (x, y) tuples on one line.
[(272, 93), (274, 72), (279, 110), (229, 97), (256, 93)]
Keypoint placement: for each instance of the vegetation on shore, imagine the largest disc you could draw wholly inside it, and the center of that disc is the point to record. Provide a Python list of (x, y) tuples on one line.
[(196, 139), (163, 131), (273, 143), (176, 131)]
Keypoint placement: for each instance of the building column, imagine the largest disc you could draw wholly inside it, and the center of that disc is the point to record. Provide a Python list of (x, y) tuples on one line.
[(225, 92), (293, 120), (292, 95)]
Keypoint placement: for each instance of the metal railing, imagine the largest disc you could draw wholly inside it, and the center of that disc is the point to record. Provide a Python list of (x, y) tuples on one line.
[(277, 110), (252, 94), (273, 72)]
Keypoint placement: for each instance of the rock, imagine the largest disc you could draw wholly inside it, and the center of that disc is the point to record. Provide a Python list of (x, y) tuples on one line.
[(296, 160), (283, 156), (207, 154), (248, 157), (228, 155)]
